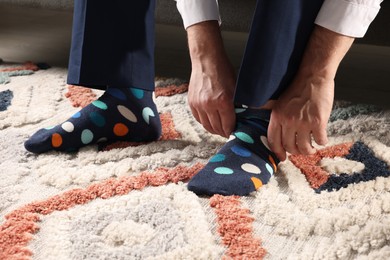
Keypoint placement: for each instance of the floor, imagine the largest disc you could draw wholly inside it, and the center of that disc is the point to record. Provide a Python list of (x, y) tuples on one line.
[(44, 36)]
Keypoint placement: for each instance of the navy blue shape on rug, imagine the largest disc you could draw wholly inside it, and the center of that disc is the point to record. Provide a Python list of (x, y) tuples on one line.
[(374, 168), (5, 99)]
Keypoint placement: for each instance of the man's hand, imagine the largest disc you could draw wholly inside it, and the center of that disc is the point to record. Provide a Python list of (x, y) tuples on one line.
[(212, 83), (300, 113), (303, 110)]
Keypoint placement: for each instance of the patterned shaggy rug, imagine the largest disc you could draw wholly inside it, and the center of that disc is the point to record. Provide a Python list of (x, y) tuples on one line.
[(127, 201)]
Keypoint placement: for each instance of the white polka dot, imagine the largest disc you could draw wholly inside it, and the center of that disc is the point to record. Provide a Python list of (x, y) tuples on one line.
[(248, 167), (264, 140), (269, 168), (68, 127), (244, 106), (127, 113), (231, 137), (101, 140)]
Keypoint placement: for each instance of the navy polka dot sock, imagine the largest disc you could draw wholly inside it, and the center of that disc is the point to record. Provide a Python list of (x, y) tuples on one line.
[(120, 114), (244, 163)]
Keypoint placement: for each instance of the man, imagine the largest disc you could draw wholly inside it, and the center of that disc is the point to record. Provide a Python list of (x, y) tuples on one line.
[(283, 93), (289, 67)]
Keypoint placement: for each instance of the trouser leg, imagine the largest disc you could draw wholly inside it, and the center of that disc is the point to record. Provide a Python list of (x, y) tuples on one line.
[(112, 44), (279, 34)]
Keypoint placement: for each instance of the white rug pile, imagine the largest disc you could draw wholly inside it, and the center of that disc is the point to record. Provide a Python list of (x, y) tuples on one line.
[(118, 203)]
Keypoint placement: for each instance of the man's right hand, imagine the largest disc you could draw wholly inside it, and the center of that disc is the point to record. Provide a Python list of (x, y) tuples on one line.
[(212, 83)]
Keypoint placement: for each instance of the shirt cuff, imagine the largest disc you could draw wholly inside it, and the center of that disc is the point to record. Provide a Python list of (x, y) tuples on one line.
[(348, 17), (196, 11)]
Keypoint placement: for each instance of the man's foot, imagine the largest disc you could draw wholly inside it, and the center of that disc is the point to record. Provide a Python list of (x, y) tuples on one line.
[(244, 163), (120, 114)]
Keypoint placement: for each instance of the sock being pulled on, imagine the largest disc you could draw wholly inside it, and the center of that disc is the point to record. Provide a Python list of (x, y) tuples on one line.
[(120, 114), (244, 163)]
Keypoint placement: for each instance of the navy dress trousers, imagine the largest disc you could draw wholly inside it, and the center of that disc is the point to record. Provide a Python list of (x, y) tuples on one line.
[(113, 44)]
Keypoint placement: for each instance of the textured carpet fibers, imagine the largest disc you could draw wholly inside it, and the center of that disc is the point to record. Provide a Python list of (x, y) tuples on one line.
[(130, 201)]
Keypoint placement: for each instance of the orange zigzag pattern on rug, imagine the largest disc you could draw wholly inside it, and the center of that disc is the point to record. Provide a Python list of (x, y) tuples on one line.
[(315, 175), (236, 230), (80, 96), (21, 224), (26, 66)]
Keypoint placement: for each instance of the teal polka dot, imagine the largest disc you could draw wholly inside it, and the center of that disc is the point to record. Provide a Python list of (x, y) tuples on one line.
[(223, 170), (244, 137), (218, 158), (241, 151), (99, 104), (97, 119), (147, 112), (86, 136), (138, 93), (77, 115), (269, 168), (49, 127), (239, 110)]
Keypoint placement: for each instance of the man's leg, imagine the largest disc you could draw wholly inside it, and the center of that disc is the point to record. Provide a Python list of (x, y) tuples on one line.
[(277, 40), (113, 49)]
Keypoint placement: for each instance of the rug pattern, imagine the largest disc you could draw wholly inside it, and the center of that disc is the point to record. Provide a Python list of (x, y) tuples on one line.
[(129, 201)]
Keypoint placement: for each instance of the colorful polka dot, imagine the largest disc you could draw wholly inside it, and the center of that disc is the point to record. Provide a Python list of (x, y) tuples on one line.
[(244, 137), (223, 170), (241, 151), (239, 110), (272, 162), (120, 129), (231, 137), (116, 93), (100, 104), (68, 127), (147, 112), (86, 136), (97, 119), (264, 140), (138, 93), (269, 168), (256, 182), (102, 140), (218, 158), (251, 168), (49, 127), (76, 115), (127, 113), (56, 140)]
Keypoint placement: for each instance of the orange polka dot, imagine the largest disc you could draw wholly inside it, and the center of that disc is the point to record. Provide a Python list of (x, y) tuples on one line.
[(272, 162), (257, 182), (120, 129), (56, 140)]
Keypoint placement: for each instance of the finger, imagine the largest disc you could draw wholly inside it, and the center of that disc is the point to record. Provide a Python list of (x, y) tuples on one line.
[(304, 145), (204, 120), (289, 140), (228, 121), (195, 114), (275, 139), (215, 122), (320, 135)]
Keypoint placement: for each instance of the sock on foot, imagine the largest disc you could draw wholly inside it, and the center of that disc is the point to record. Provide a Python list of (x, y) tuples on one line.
[(120, 114), (244, 163)]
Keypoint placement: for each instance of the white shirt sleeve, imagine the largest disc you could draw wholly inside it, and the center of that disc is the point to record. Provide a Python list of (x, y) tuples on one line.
[(348, 17), (196, 11)]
